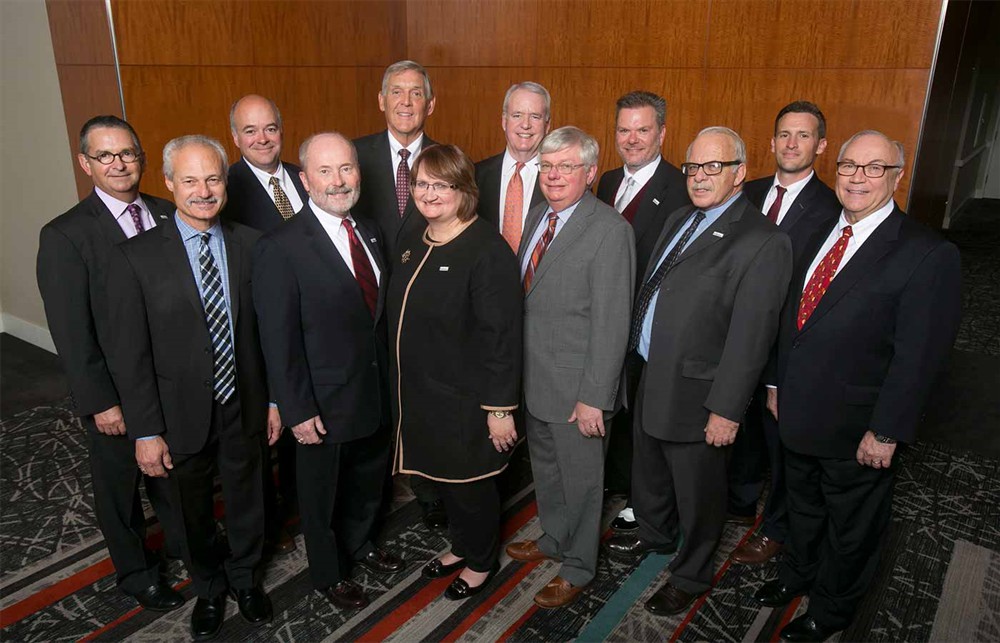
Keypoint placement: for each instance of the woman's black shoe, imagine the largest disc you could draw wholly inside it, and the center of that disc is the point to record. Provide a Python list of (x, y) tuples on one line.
[(459, 589), (437, 569)]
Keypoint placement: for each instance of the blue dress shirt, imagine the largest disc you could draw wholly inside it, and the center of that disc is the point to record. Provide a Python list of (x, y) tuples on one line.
[(543, 223)]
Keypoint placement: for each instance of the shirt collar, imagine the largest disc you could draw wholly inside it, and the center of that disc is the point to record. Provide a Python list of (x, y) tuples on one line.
[(117, 206), (395, 146), (187, 232), (509, 162), (565, 214), (643, 174), (325, 216), (263, 176), (792, 190), (865, 226), (719, 209)]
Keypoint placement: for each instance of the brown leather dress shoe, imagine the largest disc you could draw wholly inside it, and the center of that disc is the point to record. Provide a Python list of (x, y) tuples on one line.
[(346, 595), (756, 551), (284, 542), (669, 600), (526, 551), (557, 593)]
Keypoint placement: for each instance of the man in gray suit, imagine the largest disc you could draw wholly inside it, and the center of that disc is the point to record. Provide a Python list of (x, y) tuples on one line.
[(578, 267), (705, 318)]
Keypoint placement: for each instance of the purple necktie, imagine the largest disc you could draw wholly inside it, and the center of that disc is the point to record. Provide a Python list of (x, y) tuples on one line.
[(136, 213)]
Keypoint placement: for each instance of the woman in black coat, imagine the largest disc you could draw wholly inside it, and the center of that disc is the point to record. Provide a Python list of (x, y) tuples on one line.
[(455, 314)]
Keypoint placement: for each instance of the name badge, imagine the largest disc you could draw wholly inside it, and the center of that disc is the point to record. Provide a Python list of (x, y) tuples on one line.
[(372, 240), (656, 201), (717, 234), (443, 268)]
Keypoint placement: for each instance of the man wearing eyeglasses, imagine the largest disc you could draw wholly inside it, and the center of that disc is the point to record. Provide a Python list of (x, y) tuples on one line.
[(577, 260), (702, 327), (646, 189), (73, 268), (508, 182), (871, 315), (799, 203)]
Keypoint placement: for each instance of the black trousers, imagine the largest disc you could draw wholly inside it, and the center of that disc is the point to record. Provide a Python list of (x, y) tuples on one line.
[(279, 498), (473, 521), (618, 461), (340, 491), (838, 511), (237, 458), (679, 487), (758, 446), (115, 477)]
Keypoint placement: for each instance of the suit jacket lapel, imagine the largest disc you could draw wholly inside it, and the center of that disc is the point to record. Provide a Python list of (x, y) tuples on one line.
[(567, 236), (530, 225), (178, 264), (234, 259), (371, 241), (718, 230), (881, 241), (800, 205), (105, 219), (644, 213), (670, 228)]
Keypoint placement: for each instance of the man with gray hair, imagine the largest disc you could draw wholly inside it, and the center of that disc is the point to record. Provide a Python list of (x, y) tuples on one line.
[(578, 266), (385, 159), (191, 376), (508, 182), (869, 321), (703, 324)]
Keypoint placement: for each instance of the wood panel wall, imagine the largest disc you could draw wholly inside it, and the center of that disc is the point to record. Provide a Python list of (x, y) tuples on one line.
[(718, 62)]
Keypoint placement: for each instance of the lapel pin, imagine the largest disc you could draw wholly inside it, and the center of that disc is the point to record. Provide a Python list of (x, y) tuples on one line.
[(372, 240), (405, 257), (443, 268), (656, 201), (717, 234)]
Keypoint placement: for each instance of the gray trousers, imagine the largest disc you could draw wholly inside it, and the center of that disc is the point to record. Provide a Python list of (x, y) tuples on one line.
[(568, 469)]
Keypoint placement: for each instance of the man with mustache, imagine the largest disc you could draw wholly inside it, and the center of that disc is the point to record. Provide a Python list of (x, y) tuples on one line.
[(192, 381), (702, 328), (798, 202), (319, 284), (385, 159), (508, 182), (262, 192), (644, 190)]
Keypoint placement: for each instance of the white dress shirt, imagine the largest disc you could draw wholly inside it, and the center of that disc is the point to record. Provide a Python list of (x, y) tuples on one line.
[(394, 148), (791, 193), (529, 176), (121, 214), (642, 177), (860, 232), (283, 180), (335, 230)]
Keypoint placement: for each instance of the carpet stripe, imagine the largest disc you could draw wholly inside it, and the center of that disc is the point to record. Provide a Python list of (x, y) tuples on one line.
[(786, 618), (489, 604), (608, 618), (125, 617), (518, 624)]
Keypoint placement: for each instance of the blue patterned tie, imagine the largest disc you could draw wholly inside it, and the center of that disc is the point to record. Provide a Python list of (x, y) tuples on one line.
[(218, 324)]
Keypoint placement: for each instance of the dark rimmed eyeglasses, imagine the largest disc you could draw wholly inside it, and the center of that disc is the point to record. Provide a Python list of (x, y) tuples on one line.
[(871, 170), (710, 168), (107, 158)]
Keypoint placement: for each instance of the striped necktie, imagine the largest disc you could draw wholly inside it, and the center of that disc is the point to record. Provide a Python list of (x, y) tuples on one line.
[(539, 251), (224, 375)]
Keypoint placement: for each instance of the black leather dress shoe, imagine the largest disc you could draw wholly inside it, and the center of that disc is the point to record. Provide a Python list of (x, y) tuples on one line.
[(254, 604), (460, 590), (630, 548), (380, 561), (437, 569), (346, 595), (207, 617), (158, 598), (805, 628), (669, 600), (774, 593), (625, 521), (434, 514)]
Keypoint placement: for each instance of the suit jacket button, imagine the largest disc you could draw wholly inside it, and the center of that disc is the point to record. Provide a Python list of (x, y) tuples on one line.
[(375, 364), (795, 344), (207, 383)]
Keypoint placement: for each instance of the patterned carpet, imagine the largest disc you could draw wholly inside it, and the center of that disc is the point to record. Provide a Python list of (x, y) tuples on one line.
[(939, 577)]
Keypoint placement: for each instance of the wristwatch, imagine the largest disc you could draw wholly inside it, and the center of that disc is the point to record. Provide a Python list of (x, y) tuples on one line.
[(500, 414), (884, 439)]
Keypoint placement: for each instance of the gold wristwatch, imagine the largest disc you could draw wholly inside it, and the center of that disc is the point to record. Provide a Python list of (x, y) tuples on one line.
[(500, 414)]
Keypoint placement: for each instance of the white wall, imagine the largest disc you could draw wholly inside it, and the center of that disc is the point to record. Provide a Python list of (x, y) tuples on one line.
[(36, 172)]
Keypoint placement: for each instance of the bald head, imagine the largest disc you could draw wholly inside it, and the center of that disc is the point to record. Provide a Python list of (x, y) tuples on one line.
[(256, 126)]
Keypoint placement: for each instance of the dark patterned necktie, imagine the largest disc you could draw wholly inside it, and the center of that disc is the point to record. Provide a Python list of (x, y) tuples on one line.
[(224, 375), (281, 200), (650, 287), (362, 268), (136, 212), (402, 180), (539, 251)]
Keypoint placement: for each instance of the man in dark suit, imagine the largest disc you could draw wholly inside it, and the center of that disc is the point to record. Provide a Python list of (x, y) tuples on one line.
[(74, 252), (262, 191), (644, 190), (577, 259), (385, 159), (799, 203), (508, 182), (871, 315), (191, 375), (319, 284), (702, 329)]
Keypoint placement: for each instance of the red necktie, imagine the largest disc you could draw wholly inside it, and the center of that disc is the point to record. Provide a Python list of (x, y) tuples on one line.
[(362, 268), (772, 212), (539, 251), (402, 181), (821, 278), (513, 209)]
